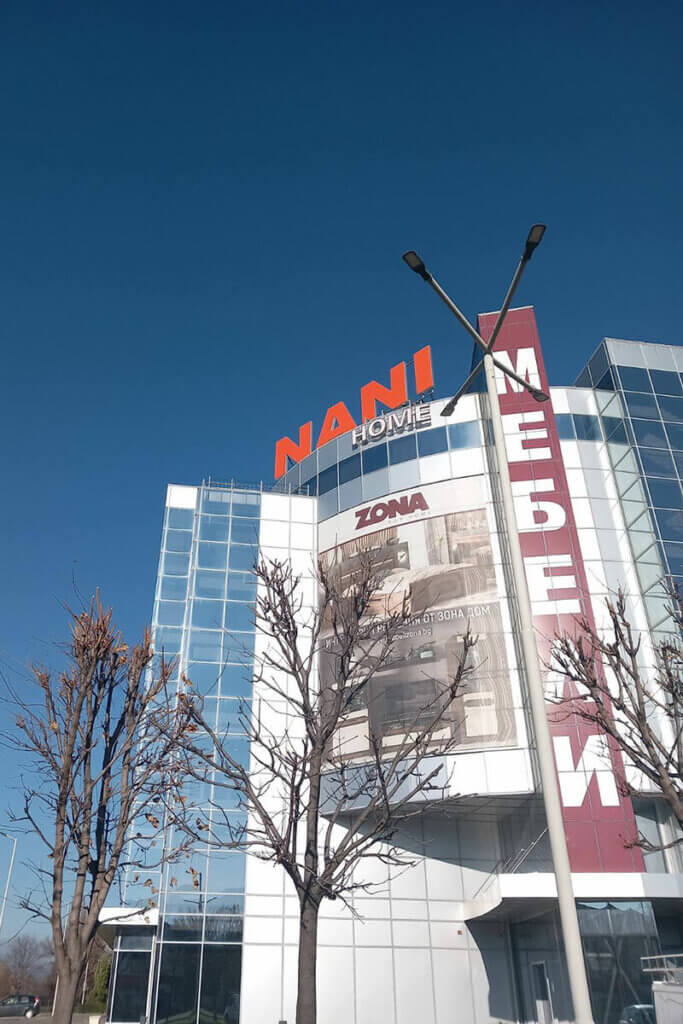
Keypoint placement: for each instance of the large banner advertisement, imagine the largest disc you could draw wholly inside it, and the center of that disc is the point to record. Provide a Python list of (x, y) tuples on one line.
[(598, 819), (431, 547)]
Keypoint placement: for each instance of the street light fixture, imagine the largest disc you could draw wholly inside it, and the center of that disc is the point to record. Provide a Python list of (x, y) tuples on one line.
[(576, 966)]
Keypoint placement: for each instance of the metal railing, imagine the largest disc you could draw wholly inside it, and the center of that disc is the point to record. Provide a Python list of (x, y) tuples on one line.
[(664, 967)]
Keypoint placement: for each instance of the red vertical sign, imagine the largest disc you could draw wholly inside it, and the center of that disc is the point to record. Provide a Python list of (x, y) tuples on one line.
[(598, 819)]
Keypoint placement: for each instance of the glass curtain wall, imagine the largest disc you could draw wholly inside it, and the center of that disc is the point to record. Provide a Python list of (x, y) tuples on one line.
[(203, 615)]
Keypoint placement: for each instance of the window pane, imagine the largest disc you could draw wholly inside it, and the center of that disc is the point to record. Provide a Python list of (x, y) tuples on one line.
[(464, 435), (222, 929), (675, 434), (244, 531), (178, 540), (242, 556), (239, 616), (130, 993), (327, 480), (674, 555), (375, 458), (670, 523), (236, 681), (207, 614), (181, 518), (666, 382), (248, 505), (643, 406), (176, 565), (431, 442), (565, 426), (178, 984), (403, 449), (241, 586), (184, 927), (672, 408), (212, 556), (634, 378), (217, 502), (349, 469), (615, 430), (665, 493), (657, 463), (214, 528), (171, 613), (587, 428), (220, 994), (168, 639), (649, 433), (209, 584), (173, 588), (226, 871), (204, 677), (205, 645)]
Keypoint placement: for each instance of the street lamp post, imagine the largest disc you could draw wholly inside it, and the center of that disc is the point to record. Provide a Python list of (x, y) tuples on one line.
[(13, 840), (576, 967)]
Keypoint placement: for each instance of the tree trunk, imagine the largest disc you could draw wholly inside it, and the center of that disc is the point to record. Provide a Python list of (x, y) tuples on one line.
[(65, 997), (306, 1006)]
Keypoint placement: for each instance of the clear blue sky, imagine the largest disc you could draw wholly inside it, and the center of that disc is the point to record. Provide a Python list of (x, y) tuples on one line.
[(203, 209)]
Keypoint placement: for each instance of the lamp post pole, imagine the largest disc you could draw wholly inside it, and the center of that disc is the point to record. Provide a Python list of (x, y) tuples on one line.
[(13, 840), (576, 967)]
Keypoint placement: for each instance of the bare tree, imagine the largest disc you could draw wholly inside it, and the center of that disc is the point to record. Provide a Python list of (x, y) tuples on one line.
[(100, 740), (640, 709), (28, 960), (321, 795)]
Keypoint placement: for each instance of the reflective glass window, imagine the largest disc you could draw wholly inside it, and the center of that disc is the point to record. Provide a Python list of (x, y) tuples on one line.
[(350, 494), (665, 493), (173, 588), (216, 502), (222, 929), (180, 518), (212, 556), (670, 523), (214, 528), (375, 484), (649, 433), (171, 613), (247, 505), (666, 382), (205, 645), (657, 463), (565, 426), (178, 983), (328, 504), (641, 406), (634, 378), (374, 458), (242, 556), (184, 927), (615, 430), (244, 531), (587, 428), (675, 434), (327, 480), (239, 616), (176, 564), (464, 435), (678, 458), (167, 639), (310, 486), (241, 586), (236, 680), (431, 442), (606, 382), (598, 365), (204, 677), (220, 993), (402, 449), (349, 469), (674, 556), (672, 408), (178, 540), (130, 992), (209, 584), (207, 614), (226, 871)]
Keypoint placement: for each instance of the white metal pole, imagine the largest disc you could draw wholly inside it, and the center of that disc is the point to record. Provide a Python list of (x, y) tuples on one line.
[(13, 840), (576, 967)]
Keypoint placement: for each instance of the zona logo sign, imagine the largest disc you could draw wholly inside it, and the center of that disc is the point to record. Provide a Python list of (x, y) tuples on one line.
[(402, 506)]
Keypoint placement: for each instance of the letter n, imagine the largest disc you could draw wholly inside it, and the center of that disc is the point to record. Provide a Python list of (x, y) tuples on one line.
[(286, 448), (393, 396)]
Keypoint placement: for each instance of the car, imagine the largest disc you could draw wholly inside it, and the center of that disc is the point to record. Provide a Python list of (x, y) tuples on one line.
[(20, 1006), (637, 1013)]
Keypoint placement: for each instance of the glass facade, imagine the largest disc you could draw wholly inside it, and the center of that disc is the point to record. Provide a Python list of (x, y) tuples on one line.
[(640, 394), (188, 967)]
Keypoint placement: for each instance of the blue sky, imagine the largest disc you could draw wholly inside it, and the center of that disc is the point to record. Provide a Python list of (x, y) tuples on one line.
[(203, 210)]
